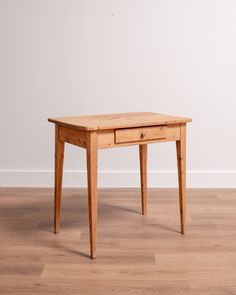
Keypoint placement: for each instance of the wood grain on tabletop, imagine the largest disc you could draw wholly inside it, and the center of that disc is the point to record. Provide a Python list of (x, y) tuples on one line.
[(123, 120)]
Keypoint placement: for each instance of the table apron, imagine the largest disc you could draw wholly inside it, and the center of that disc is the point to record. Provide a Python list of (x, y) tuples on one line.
[(122, 137)]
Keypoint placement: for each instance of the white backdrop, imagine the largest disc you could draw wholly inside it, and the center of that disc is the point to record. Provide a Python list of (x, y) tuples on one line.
[(69, 57)]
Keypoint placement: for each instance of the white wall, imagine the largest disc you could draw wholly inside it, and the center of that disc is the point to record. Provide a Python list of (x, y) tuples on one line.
[(68, 57)]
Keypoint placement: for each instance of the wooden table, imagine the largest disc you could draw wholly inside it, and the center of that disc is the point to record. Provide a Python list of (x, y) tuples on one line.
[(117, 130)]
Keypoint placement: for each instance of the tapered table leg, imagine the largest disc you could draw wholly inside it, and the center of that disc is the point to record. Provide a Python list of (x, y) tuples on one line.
[(143, 176), (181, 161), (59, 157), (92, 189)]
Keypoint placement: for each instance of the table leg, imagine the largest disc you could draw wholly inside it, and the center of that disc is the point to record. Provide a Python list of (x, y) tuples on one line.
[(143, 176), (181, 160), (92, 189), (59, 157)]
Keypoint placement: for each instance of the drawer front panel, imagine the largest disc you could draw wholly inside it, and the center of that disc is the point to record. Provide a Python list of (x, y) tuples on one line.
[(140, 134)]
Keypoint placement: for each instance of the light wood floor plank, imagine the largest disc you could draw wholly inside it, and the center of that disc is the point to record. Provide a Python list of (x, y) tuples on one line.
[(135, 254)]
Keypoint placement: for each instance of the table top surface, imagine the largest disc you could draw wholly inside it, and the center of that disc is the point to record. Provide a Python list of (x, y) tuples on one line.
[(116, 121)]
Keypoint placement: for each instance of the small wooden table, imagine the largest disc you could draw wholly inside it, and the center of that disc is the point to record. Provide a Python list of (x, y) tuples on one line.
[(117, 130)]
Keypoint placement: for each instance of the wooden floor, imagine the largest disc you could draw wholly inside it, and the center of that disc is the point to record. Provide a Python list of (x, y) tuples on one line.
[(135, 255)]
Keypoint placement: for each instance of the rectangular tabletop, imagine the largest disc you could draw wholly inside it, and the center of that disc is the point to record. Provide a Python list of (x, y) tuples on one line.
[(118, 121)]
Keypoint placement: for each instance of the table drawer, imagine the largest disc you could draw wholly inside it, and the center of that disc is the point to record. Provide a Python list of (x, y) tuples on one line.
[(140, 134)]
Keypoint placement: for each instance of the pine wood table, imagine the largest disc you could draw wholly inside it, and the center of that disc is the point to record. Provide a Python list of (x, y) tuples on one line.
[(113, 131)]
